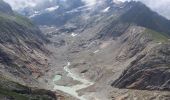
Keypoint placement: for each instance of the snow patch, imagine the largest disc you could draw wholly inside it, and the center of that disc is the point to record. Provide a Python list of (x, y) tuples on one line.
[(160, 43), (52, 8), (73, 34), (106, 9), (96, 51), (118, 1), (35, 14)]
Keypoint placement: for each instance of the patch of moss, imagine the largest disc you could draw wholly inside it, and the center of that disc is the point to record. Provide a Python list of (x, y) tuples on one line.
[(22, 20), (16, 91), (13, 95), (157, 36), (17, 19)]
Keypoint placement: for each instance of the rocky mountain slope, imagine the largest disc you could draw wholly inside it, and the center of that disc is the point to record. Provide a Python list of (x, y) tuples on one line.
[(23, 58), (21, 45), (147, 71), (116, 45)]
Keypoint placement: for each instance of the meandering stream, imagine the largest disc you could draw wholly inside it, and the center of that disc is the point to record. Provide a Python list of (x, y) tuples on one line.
[(72, 90)]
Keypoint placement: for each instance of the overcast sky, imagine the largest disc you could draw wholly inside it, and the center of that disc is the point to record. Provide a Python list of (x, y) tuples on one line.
[(161, 6)]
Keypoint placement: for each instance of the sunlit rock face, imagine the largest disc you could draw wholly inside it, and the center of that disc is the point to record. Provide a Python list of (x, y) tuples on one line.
[(20, 39)]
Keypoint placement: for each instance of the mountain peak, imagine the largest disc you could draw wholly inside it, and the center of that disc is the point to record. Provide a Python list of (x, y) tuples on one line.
[(5, 8), (141, 15)]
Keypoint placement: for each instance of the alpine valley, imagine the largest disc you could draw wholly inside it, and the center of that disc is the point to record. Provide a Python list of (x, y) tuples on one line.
[(74, 50)]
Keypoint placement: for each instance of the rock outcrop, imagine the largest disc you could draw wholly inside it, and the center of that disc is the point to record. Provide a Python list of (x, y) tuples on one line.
[(22, 51), (149, 71)]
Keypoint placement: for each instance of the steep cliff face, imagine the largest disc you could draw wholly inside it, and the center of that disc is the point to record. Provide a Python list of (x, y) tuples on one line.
[(149, 71), (22, 53), (23, 58), (149, 66)]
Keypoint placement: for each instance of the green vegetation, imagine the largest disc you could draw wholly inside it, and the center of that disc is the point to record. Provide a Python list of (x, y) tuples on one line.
[(16, 96), (15, 91), (22, 20), (7, 15), (157, 36), (16, 18)]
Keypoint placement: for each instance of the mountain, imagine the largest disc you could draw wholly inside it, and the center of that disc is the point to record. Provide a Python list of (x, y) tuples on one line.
[(118, 45), (19, 40), (148, 66), (55, 12), (23, 58), (121, 47), (13, 91), (146, 18), (5, 8), (127, 13), (149, 71)]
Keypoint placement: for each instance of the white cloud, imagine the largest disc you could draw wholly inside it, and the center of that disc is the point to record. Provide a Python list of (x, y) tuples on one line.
[(18, 4), (52, 8)]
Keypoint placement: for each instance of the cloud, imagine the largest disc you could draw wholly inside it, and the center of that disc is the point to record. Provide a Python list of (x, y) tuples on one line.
[(19, 4)]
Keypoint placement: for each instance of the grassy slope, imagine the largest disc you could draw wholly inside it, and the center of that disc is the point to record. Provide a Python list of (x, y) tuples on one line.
[(157, 36), (15, 91), (17, 19)]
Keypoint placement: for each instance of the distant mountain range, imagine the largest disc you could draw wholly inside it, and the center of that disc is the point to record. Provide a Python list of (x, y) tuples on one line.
[(61, 12)]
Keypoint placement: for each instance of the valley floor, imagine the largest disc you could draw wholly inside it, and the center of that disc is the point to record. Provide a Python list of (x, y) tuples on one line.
[(84, 70)]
